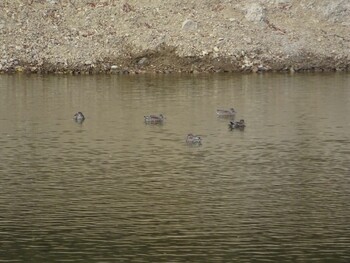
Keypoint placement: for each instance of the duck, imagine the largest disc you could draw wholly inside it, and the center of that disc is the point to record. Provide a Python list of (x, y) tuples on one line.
[(79, 116), (154, 118), (226, 113), (237, 124), (193, 139)]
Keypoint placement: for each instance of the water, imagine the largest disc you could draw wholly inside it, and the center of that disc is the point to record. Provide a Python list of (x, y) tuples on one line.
[(114, 189)]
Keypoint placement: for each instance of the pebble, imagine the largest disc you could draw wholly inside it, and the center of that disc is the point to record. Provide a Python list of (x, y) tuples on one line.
[(189, 25), (142, 61)]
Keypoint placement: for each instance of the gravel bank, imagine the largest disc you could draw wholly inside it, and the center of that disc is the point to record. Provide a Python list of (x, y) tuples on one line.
[(135, 36)]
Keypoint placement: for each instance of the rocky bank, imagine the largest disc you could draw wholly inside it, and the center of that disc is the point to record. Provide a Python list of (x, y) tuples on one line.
[(136, 36)]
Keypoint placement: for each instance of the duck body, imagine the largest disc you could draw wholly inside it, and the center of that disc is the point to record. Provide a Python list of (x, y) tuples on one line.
[(79, 116), (237, 124), (226, 113), (193, 139), (154, 118)]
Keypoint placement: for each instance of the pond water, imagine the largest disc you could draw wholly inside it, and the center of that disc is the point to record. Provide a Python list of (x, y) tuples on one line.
[(114, 189)]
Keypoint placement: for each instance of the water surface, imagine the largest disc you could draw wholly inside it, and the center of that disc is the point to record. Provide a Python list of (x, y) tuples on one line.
[(114, 189)]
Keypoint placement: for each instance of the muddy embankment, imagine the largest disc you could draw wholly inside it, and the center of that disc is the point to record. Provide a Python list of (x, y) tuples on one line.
[(136, 36)]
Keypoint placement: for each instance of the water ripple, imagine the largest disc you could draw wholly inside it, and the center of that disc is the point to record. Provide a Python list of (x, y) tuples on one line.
[(116, 190)]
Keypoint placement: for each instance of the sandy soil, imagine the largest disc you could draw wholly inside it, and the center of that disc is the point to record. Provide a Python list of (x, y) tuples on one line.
[(136, 36)]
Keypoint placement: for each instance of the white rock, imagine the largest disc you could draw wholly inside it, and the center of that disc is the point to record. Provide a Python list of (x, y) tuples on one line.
[(255, 13), (248, 40), (189, 25), (142, 61), (280, 2)]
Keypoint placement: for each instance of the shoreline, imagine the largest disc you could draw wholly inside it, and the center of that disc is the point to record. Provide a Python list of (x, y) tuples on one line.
[(154, 62)]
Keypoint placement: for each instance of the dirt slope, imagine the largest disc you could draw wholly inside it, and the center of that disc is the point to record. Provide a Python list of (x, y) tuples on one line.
[(135, 36)]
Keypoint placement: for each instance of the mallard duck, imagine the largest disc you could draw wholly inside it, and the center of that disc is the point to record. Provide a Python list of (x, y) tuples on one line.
[(154, 118), (237, 124), (226, 113), (193, 139), (79, 116)]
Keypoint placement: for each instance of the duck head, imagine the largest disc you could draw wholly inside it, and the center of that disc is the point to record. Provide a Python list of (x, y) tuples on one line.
[(79, 116)]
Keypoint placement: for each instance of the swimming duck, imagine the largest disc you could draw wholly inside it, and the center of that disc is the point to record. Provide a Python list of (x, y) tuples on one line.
[(237, 124), (193, 139), (226, 113), (154, 118), (79, 116)]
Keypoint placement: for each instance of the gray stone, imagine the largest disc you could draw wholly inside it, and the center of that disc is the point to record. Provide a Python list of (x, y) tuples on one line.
[(336, 10), (248, 40), (143, 61), (189, 25), (255, 13), (280, 2)]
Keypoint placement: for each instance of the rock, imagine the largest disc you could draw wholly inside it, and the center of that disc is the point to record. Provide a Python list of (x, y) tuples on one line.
[(189, 25), (262, 68), (281, 2), (143, 61), (248, 40), (336, 10), (255, 13), (114, 67)]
